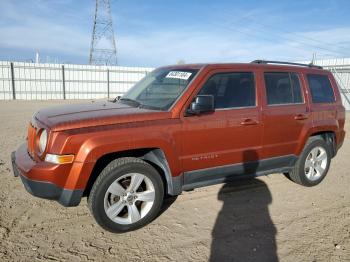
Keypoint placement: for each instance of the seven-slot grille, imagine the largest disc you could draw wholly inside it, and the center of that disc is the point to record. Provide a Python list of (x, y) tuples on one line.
[(31, 139)]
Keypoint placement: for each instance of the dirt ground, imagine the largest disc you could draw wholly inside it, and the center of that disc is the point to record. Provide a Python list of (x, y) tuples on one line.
[(263, 219)]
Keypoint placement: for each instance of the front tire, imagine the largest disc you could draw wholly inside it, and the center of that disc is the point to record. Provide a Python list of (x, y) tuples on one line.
[(127, 195), (313, 164)]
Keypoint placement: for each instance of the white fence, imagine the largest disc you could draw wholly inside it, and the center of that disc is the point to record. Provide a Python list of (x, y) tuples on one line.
[(32, 81)]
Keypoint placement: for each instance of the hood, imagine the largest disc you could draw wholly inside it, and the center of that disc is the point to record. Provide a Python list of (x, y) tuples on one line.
[(95, 114)]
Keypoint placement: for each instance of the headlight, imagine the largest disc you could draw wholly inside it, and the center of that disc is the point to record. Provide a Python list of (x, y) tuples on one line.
[(42, 141)]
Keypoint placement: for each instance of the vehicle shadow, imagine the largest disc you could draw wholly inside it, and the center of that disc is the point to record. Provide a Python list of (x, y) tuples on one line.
[(244, 230), (167, 202)]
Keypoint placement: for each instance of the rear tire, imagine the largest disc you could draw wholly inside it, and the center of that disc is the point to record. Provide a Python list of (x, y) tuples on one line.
[(127, 195), (313, 163)]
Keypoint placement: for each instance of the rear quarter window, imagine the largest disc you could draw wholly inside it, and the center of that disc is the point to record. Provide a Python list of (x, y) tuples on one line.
[(321, 88)]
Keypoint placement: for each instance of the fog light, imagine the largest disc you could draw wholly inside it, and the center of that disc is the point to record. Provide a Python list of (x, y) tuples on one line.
[(59, 159)]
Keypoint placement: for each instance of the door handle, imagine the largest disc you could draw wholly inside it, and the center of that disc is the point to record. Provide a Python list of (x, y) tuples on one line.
[(248, 122), (301, 117)]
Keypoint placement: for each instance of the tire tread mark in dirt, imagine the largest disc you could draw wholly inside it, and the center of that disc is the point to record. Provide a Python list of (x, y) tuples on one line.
[(76, 253)]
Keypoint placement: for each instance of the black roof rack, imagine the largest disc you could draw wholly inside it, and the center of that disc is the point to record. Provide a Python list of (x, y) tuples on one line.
[(285, 63)]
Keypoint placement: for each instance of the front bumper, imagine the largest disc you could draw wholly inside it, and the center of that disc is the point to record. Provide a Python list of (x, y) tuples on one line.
[(42, 189)]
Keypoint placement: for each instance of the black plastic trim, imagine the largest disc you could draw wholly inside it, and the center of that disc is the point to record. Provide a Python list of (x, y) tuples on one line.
[(216, 175), (285, 63), (158, 157)]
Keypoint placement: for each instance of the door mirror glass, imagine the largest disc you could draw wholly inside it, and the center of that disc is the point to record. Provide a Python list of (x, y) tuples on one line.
[(201, 104)]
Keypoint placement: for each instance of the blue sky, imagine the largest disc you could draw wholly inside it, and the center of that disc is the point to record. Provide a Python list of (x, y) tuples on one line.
[(155, 32)]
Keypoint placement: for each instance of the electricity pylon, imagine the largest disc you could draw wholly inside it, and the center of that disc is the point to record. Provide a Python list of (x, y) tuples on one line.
[(103, 49)]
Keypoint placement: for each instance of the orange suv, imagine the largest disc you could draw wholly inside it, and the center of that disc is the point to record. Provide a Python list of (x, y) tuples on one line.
[(179, 128)]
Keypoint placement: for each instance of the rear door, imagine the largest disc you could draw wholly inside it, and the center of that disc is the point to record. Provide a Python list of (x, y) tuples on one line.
[(285, 113)]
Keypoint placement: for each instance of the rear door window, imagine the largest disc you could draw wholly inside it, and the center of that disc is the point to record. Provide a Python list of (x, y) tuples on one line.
[(297, 95), (321, 88), (283, 88)]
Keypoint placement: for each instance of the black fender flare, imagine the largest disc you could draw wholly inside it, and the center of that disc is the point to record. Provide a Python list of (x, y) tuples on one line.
[(157, 157)]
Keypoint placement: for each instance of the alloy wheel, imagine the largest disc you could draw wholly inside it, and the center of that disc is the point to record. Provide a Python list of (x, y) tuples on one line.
[(129, 198), (316, 163)]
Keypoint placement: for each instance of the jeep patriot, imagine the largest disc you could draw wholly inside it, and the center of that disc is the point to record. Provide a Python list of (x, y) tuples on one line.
[(182, 127)]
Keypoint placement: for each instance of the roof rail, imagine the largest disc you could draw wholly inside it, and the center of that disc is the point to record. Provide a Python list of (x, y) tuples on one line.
[(285, 63)]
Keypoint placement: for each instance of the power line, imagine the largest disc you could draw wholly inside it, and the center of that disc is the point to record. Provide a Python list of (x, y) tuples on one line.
[(268, 37), (298, 35), (274, 39)]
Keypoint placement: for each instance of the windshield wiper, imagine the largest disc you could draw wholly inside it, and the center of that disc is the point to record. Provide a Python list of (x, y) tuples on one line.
[(134, 102), (150, 107), (139, 104)]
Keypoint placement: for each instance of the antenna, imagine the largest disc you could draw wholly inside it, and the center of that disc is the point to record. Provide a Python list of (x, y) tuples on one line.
[(103, 49)]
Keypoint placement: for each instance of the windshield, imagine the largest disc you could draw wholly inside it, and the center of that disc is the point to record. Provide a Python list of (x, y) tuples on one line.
[(159, 89)]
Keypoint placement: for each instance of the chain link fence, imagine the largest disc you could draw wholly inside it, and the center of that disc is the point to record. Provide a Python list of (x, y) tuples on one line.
[(34, 81)]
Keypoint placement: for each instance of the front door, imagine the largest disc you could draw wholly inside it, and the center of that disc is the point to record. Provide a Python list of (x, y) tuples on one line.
[(232, 134)]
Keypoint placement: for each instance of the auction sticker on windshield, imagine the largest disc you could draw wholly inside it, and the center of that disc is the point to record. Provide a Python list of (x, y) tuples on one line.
[(179, 75)]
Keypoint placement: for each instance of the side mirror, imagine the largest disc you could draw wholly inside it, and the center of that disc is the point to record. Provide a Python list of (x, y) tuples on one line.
[(201, 104)]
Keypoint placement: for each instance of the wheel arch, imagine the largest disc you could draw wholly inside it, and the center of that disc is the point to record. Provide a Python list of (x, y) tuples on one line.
[(154, 156), (328, 135)]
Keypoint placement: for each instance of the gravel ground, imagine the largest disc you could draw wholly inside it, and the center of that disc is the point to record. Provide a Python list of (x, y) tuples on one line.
[(263, 219)]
